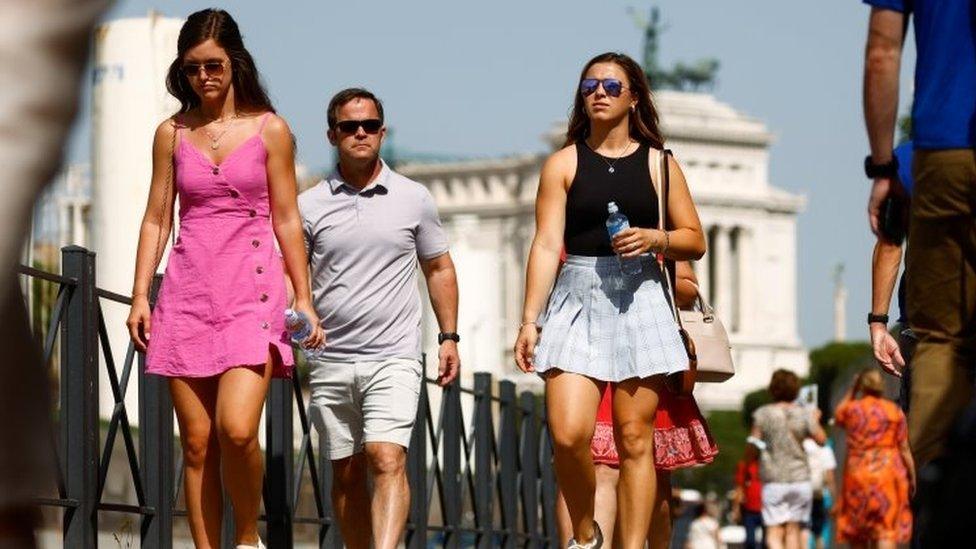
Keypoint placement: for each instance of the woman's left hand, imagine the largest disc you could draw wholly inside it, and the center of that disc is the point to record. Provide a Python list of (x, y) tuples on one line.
[(635, 241), (317, 339)]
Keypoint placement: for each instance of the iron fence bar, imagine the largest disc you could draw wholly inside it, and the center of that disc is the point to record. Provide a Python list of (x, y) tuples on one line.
[(279, 463), (79, 401), (306, 451), (451, 447), (530, 467), (416, 537), (329, 536), (156, 450), (57, 314), (548, 481), (508, 462), (127, 508), (484, 435), (435, 474), (112, 296), (119, 417), (62, 279), (55, 502)]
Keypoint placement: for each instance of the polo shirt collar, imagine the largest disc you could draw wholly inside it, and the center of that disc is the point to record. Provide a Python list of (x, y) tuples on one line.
[(336, 181)]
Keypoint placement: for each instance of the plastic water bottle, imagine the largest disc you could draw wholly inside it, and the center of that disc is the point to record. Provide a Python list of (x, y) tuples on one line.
[(297, 325), (617, 222)]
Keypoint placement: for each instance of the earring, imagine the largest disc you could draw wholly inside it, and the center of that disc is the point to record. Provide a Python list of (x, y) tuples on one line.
[(633, 108)]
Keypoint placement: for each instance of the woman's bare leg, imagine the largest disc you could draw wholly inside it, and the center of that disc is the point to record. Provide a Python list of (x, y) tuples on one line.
[(793, 536), (659, 534), (195, 401), (571, 404), (634, 406), (605, 501), (775, 536), (240, 400)]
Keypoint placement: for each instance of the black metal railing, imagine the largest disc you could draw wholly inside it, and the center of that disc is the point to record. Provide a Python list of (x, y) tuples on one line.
[(482, 481)]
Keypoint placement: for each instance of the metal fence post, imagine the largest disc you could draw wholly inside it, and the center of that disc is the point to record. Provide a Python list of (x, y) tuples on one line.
[(530, 467), (416, 537), (484, 468), (508, 463), (79, 400), (548, 484), (329, 534), (451, 446), (279, 460), (156, 450)]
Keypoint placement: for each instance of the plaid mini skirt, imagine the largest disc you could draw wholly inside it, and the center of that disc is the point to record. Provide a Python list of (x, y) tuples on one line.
[(608, 325)]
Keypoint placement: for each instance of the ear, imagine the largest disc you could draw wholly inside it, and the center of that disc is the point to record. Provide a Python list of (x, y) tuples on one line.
[(331, 135)]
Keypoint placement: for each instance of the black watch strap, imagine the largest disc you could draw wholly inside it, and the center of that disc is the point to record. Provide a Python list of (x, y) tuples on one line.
[(448, 336), (873, 171), (872, 318)]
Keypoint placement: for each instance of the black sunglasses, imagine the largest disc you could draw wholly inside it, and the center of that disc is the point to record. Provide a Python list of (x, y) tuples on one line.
[(370, 125), (210, 68), (612, 86)]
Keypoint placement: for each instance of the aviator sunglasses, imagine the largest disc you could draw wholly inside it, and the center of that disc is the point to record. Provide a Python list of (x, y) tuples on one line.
[(612, 86), (370, 125), (210, 68)]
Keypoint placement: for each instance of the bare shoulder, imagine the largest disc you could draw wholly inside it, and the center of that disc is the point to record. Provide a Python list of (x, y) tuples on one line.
[(275, 127), (276, 132), (166, 128), (561, 163)]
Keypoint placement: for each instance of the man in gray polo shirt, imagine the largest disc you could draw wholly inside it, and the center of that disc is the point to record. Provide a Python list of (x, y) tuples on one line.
[(367, 228)]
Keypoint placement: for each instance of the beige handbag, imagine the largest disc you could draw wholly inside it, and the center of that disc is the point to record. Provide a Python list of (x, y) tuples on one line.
[(705, 338)]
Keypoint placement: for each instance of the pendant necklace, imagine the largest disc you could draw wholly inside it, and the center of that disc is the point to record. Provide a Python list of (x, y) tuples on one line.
[(215, 140), (619, 156)]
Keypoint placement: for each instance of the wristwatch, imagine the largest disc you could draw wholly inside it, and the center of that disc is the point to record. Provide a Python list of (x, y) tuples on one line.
[(872, 318), (874, 171), (448, 336)]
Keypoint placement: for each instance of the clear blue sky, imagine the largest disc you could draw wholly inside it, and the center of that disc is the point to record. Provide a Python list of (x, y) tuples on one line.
[(488, 78)]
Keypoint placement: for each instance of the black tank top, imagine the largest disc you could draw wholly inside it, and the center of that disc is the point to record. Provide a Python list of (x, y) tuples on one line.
[(594, 186)]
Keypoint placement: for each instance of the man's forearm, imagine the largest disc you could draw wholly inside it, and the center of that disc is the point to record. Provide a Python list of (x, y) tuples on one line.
[(443, 290), (884, 273), (882, 62)]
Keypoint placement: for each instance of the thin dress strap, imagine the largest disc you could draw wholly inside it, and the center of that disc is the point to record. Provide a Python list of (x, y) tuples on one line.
[(264, 120)]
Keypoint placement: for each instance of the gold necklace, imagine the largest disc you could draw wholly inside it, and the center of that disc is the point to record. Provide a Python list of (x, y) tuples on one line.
[(215, 140)]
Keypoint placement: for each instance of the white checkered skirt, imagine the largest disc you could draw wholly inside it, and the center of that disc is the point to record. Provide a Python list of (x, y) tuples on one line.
[(608, 325)]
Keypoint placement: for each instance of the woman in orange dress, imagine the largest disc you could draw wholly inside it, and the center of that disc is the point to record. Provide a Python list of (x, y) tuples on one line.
[(879, 474)]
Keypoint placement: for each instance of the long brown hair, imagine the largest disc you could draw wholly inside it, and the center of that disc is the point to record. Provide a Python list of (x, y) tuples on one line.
[(643, 119), (249, 92)]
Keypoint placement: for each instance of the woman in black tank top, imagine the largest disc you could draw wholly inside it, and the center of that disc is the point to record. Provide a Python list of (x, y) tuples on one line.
[(611, 133)]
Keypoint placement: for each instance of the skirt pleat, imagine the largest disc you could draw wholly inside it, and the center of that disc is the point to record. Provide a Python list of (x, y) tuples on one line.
[(605, 324)]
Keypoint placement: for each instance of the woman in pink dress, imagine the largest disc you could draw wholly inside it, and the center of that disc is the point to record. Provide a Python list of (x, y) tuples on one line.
[(217, 331)]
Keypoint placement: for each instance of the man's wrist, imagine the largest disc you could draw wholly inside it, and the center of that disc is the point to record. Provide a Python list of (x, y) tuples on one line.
[(444, 337), (877, 318), (880, 168)]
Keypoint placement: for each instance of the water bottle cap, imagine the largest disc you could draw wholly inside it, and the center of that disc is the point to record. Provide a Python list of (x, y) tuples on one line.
[(612, 207)]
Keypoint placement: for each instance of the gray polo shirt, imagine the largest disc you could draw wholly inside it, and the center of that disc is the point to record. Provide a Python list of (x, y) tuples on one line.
[(363, 248)]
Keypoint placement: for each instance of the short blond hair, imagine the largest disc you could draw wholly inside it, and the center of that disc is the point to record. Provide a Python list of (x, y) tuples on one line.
[(871, 382)]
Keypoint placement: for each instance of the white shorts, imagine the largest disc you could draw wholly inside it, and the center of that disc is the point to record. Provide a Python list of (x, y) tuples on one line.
[(353, 403), (784, 502)]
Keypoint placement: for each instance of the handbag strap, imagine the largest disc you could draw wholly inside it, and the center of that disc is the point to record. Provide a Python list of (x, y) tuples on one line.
[(660, 178)]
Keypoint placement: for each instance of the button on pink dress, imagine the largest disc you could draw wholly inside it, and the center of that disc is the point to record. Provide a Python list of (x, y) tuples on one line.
[(222, 300)]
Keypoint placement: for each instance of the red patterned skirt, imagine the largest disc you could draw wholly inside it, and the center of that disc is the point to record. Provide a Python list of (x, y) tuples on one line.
[(681, 435)]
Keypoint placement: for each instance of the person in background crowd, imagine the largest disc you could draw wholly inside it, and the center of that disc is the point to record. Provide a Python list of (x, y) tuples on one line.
[(879, 472), (823, 463), (703, 533), (778, 430), (747, 499)]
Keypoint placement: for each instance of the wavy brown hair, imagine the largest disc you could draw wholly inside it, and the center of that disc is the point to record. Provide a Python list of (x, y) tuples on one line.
[(644, 126), (249, 92)]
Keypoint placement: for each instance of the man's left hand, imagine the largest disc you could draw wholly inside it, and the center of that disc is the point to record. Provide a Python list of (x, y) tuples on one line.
[(880, 190), (450, 363)]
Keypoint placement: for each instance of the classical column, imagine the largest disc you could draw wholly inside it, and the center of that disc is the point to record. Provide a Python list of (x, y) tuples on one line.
[(746, 289), (723, 275), (702, 267)]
